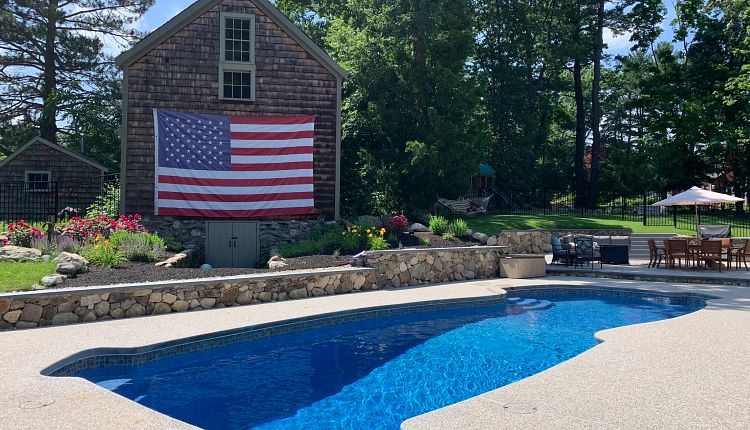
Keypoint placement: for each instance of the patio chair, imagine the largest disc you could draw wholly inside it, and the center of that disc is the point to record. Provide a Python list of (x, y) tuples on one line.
[(558, 251), (676, 250), (711, 253), (739, 255), (655, 253), (585, 252)]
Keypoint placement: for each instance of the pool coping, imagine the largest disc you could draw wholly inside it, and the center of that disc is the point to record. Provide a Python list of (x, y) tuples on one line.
[(32, 400)]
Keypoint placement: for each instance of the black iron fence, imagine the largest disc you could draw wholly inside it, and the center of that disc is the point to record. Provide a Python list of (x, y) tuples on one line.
[(51, 201), (616, 206)]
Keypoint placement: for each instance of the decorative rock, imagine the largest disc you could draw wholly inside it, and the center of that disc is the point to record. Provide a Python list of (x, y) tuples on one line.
[(64, 318), (136, 310), (12, 316), (265, 296), (19, 253), (66, 307), (31, 312), (117, 313), (154, 298), (276, 262), (177, 260), (208, 302), (89, 317), (480, 237), (101, 309), (206, 266), (161, 308), (417, 227), (194, 303), (229, 296), (491, 241), (71, 264), (168, 298), (469, 232), (52, 280), (180, 306)]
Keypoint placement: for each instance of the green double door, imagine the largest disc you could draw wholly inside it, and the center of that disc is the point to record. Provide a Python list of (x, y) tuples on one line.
[(232, 243)]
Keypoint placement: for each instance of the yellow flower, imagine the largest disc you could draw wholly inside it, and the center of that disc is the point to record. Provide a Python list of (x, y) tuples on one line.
[(106, 243), (97, 246), (382, 231), (369, 234)]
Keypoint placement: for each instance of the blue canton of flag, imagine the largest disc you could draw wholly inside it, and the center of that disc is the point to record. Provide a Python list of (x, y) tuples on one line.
[(197, 142)]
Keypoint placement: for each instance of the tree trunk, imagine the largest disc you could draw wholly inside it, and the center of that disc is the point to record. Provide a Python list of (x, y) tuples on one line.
[(48, 119), (596, 141), (580, 173)]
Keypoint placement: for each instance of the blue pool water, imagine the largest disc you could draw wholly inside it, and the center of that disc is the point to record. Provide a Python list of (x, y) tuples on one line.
[(375, 373)]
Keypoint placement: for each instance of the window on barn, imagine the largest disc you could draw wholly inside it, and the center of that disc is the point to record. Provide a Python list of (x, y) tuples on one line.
[(237, 65), (37, 181)]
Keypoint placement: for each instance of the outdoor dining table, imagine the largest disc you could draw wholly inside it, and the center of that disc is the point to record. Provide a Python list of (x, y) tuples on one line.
[(694, 248)]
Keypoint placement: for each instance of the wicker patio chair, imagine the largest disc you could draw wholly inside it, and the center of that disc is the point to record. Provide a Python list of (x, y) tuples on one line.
[(739, 255)]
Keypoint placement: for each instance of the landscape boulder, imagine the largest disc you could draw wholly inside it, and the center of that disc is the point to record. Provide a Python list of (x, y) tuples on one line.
[(480, 237), (178, 260), (52, 280), (19, 253), (417, 227), (277, 262), (71, 264)]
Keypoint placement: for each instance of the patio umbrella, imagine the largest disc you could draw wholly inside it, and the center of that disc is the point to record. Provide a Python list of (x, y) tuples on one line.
[(695, 197)]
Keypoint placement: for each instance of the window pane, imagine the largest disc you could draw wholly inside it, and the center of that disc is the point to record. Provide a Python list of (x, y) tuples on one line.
[(227, 78), (245, 35), (246, 79), (246, 92), (245, 24), (245, 56), (245, 46), (227, 91)]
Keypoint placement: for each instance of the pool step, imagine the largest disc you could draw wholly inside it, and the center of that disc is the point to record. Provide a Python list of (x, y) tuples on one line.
[(529, 304)]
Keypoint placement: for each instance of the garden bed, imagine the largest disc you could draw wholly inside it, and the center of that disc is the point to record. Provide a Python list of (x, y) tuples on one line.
[(133, 272)]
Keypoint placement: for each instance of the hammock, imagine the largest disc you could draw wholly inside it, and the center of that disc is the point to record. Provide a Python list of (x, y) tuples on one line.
[(466, 206)]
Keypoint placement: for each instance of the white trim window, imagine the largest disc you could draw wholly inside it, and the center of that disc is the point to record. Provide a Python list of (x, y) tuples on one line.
[(237, 57), (37, 181)]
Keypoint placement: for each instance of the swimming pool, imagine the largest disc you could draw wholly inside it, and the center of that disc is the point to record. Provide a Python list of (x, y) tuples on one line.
[(376, 373)]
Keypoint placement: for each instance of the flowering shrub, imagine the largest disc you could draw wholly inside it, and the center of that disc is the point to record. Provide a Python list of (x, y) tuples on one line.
[(103, 253), (397, 222), (86, 229), (3, 241), (138, 246), (363, 237), (21, 233)]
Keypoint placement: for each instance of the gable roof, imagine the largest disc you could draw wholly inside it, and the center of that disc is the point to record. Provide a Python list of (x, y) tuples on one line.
[(65, 151), (198, 8)]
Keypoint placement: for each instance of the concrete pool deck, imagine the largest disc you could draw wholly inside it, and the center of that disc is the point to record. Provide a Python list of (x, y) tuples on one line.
[(689, 372)]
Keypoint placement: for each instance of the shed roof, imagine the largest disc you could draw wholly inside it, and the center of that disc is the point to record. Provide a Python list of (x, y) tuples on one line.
[(198, 8), (486, 170), (64, 150)]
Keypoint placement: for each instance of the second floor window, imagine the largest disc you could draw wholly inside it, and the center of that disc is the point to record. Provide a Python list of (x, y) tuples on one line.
[(237, 64)]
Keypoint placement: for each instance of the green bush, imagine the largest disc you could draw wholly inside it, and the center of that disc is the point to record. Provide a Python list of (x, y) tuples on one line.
[(438, 225), (138, 246), (449, 236), (377, 243), (325, 241), (458, 227), (103, 253)]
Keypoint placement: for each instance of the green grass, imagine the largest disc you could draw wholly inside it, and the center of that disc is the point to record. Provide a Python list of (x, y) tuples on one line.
[(21, 276), (493, 224)]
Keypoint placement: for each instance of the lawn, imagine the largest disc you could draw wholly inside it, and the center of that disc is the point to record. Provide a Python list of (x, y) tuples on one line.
[(21, 276), (493, 224)]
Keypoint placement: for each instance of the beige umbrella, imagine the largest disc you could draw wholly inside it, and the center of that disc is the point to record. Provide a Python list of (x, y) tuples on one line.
[(696, 197)]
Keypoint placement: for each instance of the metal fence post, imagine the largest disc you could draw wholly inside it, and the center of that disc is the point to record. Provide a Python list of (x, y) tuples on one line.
[(645, 216), (674, 216)]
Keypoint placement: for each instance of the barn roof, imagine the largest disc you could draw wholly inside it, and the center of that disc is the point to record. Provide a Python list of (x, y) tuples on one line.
[(65, 151), (198, 8)]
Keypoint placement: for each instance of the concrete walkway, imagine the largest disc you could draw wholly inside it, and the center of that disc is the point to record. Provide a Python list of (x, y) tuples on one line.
[(688, 372)]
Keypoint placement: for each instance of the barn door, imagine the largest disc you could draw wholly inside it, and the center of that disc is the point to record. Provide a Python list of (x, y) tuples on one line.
[(246, 249), (232, 244)]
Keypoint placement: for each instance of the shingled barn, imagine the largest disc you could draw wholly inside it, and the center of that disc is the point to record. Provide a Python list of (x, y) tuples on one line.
[(231, 58)]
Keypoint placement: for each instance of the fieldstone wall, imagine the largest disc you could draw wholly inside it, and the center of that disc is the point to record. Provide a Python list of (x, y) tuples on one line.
[(538, 241), (50, 307), (384, 269), (191, 233), (396, 268)]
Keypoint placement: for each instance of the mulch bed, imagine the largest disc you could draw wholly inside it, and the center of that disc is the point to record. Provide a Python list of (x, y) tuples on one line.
[(147, 272)]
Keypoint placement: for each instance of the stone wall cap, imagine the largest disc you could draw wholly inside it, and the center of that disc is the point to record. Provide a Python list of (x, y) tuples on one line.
[(54, 292), (453, 249), (541, 230), (521, 256)]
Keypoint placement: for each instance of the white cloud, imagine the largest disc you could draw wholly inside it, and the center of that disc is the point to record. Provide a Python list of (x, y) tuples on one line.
[(617, 44)]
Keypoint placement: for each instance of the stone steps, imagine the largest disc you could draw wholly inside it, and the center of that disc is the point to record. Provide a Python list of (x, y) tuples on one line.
[(529, 304), (639, 243)]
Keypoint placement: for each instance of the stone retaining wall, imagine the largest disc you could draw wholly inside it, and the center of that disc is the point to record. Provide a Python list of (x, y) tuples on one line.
[(538, 241), (395, 268), (388, 269)]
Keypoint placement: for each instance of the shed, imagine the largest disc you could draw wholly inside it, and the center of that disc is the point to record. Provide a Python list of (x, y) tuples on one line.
[(230, 58), (483, 180), (41, 178)]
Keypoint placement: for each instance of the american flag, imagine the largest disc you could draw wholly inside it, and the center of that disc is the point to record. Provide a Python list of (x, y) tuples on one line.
[(233, 166)]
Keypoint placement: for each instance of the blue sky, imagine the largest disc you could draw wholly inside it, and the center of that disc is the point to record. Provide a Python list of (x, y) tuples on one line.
[(163, 10)]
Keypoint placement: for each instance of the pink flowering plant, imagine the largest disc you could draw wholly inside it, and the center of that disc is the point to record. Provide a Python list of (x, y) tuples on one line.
[(87, 229), (397, 222), (21, 234)]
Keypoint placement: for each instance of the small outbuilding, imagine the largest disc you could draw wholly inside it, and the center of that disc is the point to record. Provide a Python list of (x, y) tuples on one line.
[(41, 178)]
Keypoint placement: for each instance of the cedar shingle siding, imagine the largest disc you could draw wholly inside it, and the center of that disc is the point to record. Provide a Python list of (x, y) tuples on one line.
[(181, 74)]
